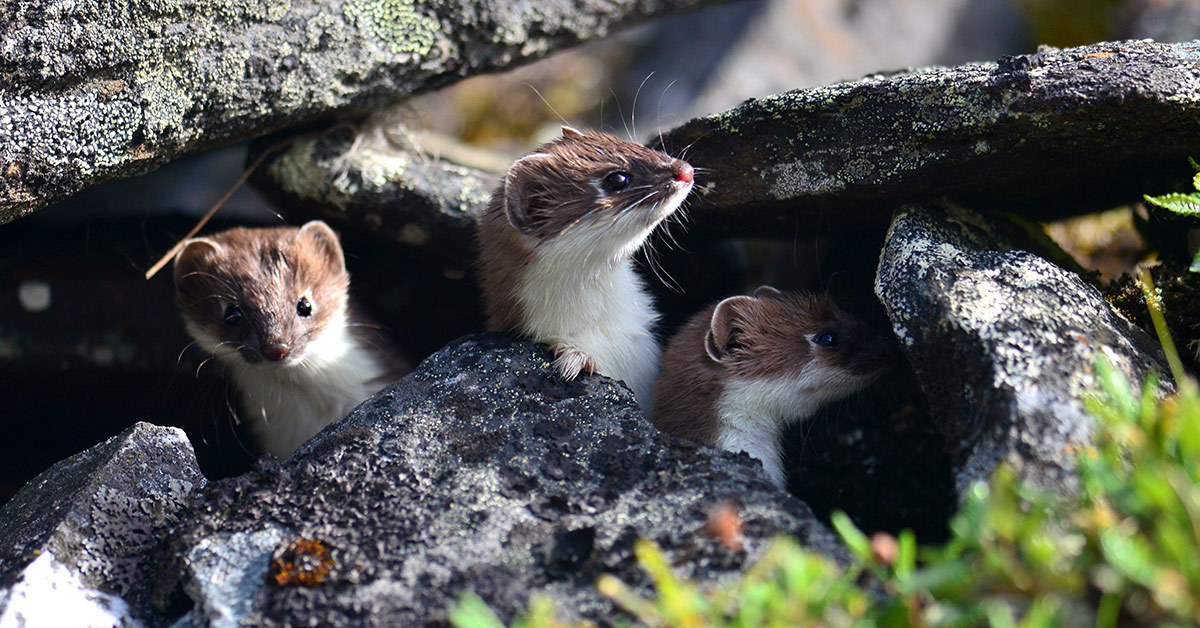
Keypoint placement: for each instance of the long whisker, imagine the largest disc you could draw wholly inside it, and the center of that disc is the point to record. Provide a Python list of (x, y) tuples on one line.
[(633, 111)]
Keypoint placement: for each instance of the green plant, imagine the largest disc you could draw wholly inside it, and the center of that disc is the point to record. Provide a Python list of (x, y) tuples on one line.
[(1182, 204)]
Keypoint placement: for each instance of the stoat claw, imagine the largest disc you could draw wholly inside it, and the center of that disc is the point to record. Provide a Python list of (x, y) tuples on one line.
[(570, 361)]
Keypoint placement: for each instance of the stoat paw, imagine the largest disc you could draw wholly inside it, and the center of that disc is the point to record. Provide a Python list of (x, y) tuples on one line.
[(571, 361)]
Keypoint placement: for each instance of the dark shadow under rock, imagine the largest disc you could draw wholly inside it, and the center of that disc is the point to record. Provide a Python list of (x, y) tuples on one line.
[(1002, 342), (482, 471), (82, 531), (879, 457), (1179, 291)]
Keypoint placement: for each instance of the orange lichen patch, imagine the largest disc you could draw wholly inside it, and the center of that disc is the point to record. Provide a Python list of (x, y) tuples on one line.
[(725, 525), (305, 562), (1097, 55)]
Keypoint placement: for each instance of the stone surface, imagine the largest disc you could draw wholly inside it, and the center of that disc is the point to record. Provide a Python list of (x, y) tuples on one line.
[(482, 471), (87, 525), (373, 181), (1002, 342), (1048, 133), (94, 91)]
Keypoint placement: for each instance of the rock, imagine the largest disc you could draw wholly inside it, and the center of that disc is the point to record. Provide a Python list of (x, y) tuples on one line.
[(1059, 131), (96, 91), (482, 471), (1002, 341), (81, 532), (370, 181)]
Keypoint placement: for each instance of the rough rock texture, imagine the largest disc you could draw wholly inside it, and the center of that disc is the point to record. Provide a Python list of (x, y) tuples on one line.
[(92, 91), (372, 181), (1002, 341), (481, 471), (99, 514), (1047, 133)]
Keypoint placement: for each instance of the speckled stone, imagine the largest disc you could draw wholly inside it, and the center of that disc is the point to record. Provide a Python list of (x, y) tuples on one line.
[(1003, 342), (96, 90), (363, 182), (1051, 133), (484, 471), (101, 513)]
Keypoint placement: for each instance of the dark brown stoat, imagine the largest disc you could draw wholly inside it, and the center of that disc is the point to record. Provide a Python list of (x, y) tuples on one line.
[(273, 306), (556, 247), (742, 370)]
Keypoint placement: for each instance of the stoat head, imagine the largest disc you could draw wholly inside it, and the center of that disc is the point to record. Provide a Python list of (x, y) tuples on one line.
[(587, 184), (800, 338), (263, 297)]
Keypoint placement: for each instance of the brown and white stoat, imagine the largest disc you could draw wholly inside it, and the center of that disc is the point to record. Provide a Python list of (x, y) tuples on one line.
[(742, 370), (556, 248), (272, 304)]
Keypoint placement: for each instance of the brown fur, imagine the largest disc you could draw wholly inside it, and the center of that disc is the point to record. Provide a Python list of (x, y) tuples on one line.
[(767, 335), (547, 192), (238, 266)]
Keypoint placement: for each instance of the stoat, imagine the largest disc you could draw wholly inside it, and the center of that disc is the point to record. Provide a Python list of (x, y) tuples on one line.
[(556, 248), (272, 305), (741, 371)]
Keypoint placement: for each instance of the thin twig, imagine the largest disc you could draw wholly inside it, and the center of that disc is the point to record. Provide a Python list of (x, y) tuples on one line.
[(229, 193)]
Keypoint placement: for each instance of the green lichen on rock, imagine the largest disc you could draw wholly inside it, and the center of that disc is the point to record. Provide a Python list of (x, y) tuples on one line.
[(398, 22)]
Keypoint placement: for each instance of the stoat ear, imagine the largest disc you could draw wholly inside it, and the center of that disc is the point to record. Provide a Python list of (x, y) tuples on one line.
[(571, 132), (724, 328), (520, 191), (766, 292), (321, 238), (194, 251)]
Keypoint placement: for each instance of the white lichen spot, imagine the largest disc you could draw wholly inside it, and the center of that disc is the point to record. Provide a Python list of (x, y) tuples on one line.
[(34, 295), (981, 147), (397, 22)]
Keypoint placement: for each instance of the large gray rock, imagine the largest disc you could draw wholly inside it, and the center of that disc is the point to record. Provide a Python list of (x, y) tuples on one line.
[(482, 471), (1052, 132), (94, 91), (371, 181), (77, 538), (1003, 342)]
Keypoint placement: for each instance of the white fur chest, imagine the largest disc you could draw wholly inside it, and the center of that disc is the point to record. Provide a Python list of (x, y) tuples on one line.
[(606, 312), (290, 404), (753, 414)]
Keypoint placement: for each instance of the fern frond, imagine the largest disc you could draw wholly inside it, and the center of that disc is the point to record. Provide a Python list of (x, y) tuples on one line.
[(1182, 204)]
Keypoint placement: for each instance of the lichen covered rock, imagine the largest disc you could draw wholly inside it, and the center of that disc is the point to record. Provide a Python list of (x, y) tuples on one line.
[(1051, 132), (86, 527), (1003, 342), (96, 91), (482, 471)]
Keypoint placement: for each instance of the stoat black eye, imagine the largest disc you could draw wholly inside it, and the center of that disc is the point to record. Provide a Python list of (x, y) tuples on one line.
[(304, 307), (615, 181), (232, 316), (826, 339)]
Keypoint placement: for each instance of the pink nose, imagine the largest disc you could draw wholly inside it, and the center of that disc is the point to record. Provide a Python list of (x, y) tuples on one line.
[(685, 172), (276, 353)]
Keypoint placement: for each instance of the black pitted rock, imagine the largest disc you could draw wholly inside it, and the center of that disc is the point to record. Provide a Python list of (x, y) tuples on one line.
[(1057, 131), (1002, 341), (96, 90), (97, 517), (484, 471)]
